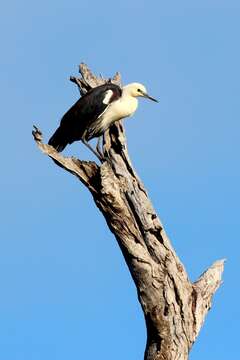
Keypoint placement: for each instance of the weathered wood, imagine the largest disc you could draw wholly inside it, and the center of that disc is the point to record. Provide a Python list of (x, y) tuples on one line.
[(173, 307)]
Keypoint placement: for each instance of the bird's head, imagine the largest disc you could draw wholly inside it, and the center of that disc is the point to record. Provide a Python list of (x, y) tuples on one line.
[(137, 89)]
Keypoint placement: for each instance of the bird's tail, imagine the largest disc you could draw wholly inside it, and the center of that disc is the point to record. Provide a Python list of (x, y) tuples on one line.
[(58, 140)]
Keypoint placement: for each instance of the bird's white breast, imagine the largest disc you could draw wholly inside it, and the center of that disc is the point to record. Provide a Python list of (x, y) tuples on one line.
[(119, 109)]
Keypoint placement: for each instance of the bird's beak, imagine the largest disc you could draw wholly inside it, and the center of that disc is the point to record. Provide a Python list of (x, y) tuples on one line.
[(149, 97)]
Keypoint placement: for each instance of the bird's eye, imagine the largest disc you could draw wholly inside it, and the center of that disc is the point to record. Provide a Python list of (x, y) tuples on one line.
[(139, 90)]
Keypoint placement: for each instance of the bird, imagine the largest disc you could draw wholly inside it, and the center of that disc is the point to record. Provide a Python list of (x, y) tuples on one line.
[(95, 112)]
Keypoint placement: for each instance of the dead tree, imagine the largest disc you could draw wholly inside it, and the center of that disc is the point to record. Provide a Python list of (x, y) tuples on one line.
[(173, 307)]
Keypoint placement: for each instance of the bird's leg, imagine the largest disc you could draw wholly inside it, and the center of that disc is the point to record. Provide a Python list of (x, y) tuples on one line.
[(98, 148), (100, 157)]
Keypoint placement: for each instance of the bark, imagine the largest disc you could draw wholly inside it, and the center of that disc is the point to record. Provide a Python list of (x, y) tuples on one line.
[(173, 307)]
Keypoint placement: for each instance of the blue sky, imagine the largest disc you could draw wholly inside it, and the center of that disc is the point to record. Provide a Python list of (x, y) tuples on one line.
[(65, 289)]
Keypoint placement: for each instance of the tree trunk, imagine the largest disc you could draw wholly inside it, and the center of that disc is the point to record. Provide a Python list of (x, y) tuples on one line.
[(174, 308)]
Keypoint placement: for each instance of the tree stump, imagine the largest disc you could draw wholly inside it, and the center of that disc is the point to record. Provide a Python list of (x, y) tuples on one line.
[(173, 307)]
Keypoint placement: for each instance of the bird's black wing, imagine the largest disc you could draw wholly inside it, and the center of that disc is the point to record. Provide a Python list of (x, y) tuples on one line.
[(90, 106), (83, 114)]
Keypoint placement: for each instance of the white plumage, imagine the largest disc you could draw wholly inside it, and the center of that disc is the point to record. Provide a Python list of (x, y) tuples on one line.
[(95, 112)]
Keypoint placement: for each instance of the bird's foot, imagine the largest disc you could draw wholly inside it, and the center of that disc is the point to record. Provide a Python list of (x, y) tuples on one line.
[(101, 158), (98, 153)]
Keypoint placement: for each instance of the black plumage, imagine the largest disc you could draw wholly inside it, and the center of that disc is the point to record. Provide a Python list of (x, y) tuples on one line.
[(81, 121)]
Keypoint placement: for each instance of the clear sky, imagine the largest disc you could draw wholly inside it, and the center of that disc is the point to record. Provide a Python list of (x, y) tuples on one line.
[(65, 290)]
